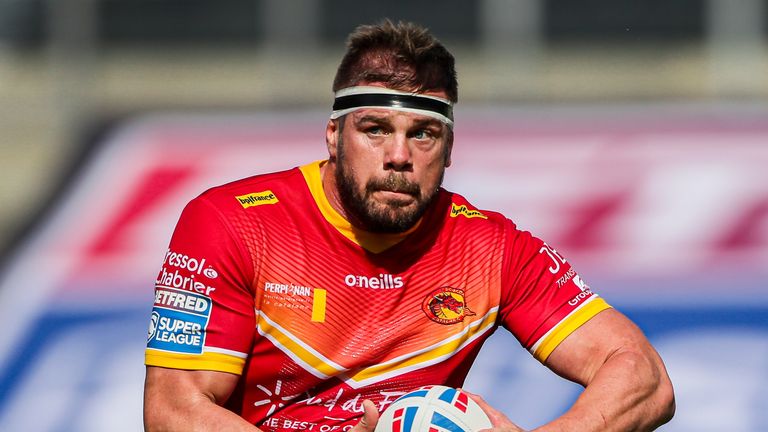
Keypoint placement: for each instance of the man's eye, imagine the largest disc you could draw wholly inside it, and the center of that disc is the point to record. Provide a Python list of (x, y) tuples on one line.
[(422, 134), (375, 130)]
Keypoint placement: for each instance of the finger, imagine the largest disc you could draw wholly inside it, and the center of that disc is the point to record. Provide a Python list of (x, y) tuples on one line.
[(498, 419), (370, 418), (483, 404)]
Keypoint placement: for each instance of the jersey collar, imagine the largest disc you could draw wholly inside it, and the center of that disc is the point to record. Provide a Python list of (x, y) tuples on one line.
[(372, 242)]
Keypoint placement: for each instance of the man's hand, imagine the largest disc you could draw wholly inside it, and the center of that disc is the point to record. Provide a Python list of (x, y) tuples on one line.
[(500, 422), (369, 420)]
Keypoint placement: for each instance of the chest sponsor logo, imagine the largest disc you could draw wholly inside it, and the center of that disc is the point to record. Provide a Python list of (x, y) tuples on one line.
[(446, 305), (287, 289), (295, 296), (257, 199), (382, 281), (178, 321), (462, 210), (335, 406)]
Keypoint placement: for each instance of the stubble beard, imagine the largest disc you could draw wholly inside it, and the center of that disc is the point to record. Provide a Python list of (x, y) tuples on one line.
[(376, 216)]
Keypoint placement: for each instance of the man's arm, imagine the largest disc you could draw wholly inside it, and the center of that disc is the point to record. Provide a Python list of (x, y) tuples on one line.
[(185, 400), (626, 384), (182, 400)]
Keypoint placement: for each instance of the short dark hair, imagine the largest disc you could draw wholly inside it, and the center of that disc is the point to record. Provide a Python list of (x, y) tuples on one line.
[(404, 56)]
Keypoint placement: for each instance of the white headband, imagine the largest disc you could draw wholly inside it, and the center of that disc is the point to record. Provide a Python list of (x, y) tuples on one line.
[(351, 99)]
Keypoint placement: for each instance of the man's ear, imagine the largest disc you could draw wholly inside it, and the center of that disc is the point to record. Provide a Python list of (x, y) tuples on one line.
[(332, 137)]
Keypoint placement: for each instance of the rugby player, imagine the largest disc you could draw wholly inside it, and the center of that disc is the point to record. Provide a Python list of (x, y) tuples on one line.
[(310, 299)]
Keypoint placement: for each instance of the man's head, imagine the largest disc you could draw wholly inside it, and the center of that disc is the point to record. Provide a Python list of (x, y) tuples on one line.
[(401, 56), (390, 135)]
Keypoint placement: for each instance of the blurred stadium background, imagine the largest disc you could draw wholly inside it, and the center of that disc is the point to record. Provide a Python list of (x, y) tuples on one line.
[(631, 135)]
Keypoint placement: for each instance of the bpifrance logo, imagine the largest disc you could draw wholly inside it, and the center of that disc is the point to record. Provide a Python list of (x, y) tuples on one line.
[(446, 305), (462, 210), (257, 199)]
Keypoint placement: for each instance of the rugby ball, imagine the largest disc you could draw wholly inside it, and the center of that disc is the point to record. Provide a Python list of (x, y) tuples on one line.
[(433, 409)]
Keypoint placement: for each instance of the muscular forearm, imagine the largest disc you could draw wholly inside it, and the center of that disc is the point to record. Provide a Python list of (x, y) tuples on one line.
[(180, 400), (629, 392), (197, 413)]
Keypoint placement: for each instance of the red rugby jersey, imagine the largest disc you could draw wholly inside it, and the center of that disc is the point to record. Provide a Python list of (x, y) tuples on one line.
[(264, 279)]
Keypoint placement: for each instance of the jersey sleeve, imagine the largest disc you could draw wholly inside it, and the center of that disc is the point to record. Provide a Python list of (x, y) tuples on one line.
[(543, 299), (203, 314)]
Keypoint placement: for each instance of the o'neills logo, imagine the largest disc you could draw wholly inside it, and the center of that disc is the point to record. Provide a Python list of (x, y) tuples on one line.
[(257, 199), (457, 210), (446, 305), (383, 281)]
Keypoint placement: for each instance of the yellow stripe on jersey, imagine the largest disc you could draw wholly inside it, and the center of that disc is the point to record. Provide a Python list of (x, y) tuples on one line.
[(426, 357), (205, 361), (317, 364), (322, 367), (544, 347)]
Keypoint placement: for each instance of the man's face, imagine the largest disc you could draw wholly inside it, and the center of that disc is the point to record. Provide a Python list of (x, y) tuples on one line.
[(389, 165)]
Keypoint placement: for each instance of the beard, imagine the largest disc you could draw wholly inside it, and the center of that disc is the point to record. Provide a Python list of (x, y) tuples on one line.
[(384, 217)]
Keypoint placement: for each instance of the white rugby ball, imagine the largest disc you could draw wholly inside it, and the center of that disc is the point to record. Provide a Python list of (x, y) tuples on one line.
[(433, 409)]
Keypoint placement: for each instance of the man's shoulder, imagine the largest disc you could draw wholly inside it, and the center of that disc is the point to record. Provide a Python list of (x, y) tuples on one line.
[(257, 190), (461, 209), (476, 220)]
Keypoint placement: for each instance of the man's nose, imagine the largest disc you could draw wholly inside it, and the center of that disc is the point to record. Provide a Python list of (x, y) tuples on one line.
[(398, 154)]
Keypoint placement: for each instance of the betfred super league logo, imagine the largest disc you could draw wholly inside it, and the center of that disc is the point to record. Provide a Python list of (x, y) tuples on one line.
[(446, 305)]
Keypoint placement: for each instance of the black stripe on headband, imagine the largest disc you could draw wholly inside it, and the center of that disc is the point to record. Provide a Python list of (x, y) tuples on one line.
[(393, 101)]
